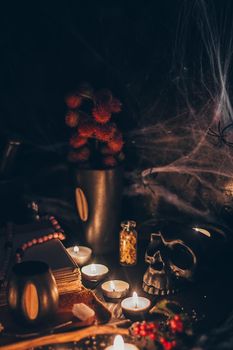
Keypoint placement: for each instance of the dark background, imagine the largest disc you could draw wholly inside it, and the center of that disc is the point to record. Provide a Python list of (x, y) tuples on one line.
[(47, 49), (144, 51)]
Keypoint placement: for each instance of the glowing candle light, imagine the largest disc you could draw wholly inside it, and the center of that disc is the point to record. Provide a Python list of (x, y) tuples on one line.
[(80, 254), (112, 286), (135, 306), (115, 289), (135, 300), (94, 272), (76, 249), (119, 344)]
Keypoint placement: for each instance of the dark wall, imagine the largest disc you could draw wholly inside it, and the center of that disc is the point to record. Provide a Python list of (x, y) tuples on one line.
[(136, 48), (48, 48)]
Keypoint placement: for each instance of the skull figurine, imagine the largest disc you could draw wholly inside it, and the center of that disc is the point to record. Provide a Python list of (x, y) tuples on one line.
[(170, 262)]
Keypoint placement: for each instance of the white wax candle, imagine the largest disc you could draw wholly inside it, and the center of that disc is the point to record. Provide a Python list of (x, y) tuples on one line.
[(135, 305), (119, 344), (80, 254), (94, 272), (115, 289)]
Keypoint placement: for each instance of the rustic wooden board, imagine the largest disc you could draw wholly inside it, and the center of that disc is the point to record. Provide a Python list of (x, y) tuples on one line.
[(66, 301), (64, 337)]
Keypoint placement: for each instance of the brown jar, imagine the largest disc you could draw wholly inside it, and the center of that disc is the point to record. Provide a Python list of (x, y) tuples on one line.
[(128, 243)]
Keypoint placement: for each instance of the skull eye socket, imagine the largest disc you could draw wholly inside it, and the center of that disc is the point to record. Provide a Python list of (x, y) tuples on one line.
[(158, 266), (181, 257)]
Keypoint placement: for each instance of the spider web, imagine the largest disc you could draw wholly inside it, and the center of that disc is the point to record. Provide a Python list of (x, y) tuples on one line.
[(188, 158)]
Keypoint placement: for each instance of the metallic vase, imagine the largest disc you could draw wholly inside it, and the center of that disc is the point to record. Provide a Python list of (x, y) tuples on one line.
[(98, 199), (32, 292)]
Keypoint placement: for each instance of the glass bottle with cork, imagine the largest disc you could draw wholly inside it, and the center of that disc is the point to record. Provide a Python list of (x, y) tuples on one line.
[(128, 243)]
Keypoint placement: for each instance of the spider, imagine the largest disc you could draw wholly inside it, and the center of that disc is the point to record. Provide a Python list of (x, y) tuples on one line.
[(221, 134)]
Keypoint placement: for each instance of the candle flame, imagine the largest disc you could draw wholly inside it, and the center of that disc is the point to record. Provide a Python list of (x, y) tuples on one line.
[(93, 269), (76, 249), (135, 300), (203, 231), (112, 286), (118, 343)]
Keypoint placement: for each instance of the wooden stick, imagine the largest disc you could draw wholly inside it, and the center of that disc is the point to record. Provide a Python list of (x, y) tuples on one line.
[(64, 337)]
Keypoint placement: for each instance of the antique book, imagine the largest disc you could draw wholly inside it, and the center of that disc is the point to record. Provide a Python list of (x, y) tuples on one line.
[(64, 268)]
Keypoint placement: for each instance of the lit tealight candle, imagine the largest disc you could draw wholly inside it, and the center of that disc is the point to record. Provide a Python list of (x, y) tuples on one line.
[(80, 254), (119, 344), (112, 286), (76, 249), (135, 305), (94, 272), (115, 289), (135, 300)]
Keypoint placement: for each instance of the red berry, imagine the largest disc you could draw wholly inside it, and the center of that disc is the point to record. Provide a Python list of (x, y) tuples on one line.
[(152, 336), (143, 326), (171, 325), (168, 345), (151, 326), (162, 340), (143, 333), (176, 325), (177, 318)]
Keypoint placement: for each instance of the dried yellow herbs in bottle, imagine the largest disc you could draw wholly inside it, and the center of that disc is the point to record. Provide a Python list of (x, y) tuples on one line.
[(128, 243)]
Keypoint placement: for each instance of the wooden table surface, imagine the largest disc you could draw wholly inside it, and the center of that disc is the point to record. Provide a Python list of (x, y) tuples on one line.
[(206, 299)]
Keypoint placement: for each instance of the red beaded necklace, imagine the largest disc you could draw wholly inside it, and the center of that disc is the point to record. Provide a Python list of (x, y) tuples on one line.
[(58, 234)]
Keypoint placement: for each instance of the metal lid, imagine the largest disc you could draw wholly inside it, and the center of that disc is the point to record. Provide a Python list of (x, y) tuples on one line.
[(128, 224)]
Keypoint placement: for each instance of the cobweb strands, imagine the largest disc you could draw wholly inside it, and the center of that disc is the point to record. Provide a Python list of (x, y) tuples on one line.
[(188, 157)]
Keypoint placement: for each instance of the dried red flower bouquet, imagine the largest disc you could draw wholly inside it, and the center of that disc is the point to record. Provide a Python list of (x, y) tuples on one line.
[(95, 140)]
